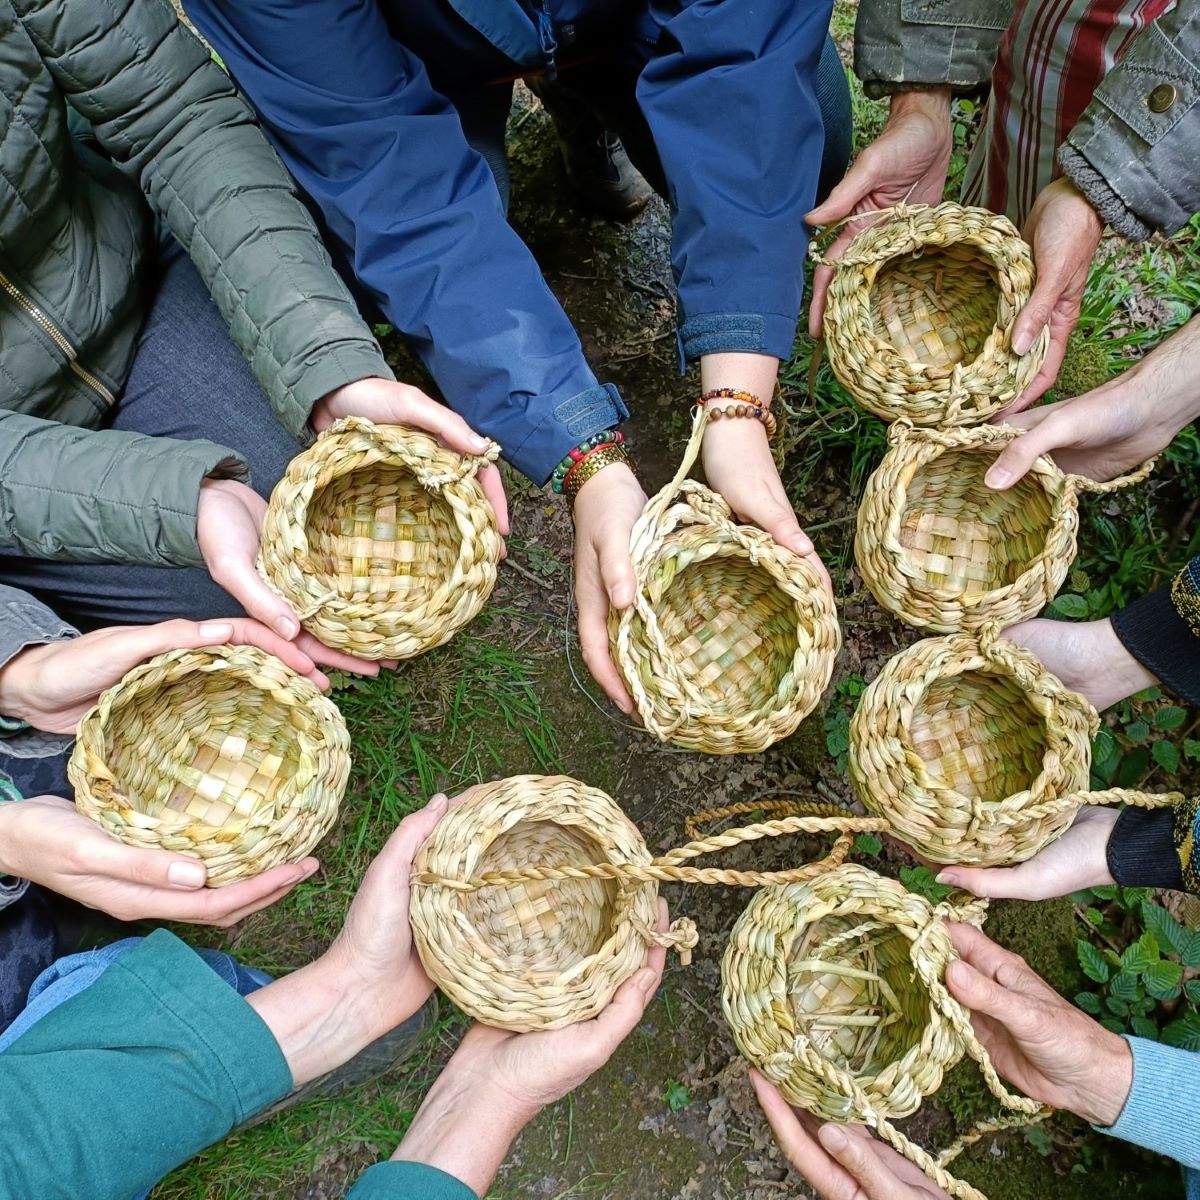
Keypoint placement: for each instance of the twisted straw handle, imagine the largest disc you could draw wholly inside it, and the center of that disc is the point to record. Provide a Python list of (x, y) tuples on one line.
[(666, 868), (900, 211), (653, 513)]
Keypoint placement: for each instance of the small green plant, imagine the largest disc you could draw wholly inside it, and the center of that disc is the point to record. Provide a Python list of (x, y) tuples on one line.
[(676, 1095), (868, 844), (923, 882), (837, 719), (1144, 964), (1146, 732)]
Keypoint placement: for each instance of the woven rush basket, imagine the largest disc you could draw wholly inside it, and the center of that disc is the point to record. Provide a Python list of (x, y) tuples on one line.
[(941, 550), (224, 754), (731, 638), (536, 897), (974, 753), (834, 990), (919, 316), (381, 539)]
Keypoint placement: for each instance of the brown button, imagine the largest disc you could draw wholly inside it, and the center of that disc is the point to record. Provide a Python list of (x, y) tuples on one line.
[(1162, 97)]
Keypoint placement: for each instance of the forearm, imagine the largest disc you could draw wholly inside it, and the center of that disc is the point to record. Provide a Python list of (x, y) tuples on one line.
[(464, 1127)]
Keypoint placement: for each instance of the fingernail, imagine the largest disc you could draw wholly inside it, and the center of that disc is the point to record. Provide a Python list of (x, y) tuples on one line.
[(946, 877), (998, 478), (478, 444), (832, 1138), (645, 980), (1022, 341), (215, 629), (187, 875), (306, 872), (286, 627), (437, 805)]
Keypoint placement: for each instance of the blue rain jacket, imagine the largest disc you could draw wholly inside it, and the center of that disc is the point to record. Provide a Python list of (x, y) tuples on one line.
[(344, 91)]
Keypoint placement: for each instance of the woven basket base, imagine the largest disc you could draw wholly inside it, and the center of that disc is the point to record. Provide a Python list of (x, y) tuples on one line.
[(960, 535), (728, 620), (541, 929), (979, 736), (378, 535), (208, 775), (860, 1022), (936, 308)]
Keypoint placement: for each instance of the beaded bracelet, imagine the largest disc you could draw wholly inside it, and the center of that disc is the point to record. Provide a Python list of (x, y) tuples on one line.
[(732, 394), (745, 410), (592, 464), (603, 438)]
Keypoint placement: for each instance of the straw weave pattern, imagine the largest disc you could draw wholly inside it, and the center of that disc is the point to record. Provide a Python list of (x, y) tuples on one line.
[(222, 753), (535, 898), (974, 752), (381, 539), (919, 316), (942, 551), (833, 989), (731, 639)]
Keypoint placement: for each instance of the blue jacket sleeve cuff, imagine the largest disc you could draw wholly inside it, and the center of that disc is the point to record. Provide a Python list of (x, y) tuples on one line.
[(408, 1181), (747, 333), (1162, 1111), (572, 421)]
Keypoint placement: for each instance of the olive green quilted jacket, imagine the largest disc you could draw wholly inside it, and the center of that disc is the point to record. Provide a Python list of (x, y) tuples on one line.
[(1135, 149), (112, 114)]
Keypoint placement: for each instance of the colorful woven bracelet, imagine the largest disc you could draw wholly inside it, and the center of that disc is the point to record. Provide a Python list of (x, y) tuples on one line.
[(603, 438), (592, 464), (746, 410)]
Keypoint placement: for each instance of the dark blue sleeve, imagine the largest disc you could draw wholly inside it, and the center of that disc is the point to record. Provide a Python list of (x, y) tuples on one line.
[(730, 99), (416, 215)]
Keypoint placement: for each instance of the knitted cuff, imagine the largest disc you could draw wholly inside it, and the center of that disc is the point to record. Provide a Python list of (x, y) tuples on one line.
[(1110, 207), (1186, 831), (1155, 631), (1142, 849)]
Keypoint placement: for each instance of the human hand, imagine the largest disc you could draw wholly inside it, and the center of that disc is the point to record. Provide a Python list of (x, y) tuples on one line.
[(1087, 656), (1064, 230), (45, 839), (369, 981), (387, 402), (841, 1162), (229, 528), (738, 464), (496, 1082), (907, 161), (606, 508), (1076, 860), (53, 685), (1037, 1040)]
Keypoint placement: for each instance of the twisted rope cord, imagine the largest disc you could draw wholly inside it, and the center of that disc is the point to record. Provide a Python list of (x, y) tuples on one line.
[(666, 868)]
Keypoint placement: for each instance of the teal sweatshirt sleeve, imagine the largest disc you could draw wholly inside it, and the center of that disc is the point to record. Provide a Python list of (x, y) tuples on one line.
[(408, 1181), (1162, 1111), (108, 1092)]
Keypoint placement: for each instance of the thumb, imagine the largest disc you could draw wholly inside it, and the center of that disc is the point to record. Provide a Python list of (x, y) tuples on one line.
[(785, 530), (995, 882), (1036, 314), (147, 868), (242, 581), (616, 572), (857, 182), (1018, 457)]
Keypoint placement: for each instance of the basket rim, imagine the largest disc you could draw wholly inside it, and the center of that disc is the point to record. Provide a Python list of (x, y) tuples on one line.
[(523, 807), (319, 473), (94, 729), (924, 447), (895, 903)]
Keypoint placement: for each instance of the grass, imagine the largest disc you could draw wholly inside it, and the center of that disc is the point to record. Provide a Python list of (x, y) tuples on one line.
[(450, 719)]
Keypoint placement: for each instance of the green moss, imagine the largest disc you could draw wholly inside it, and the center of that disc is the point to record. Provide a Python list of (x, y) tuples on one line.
[(1043, 934), (1085, 367)]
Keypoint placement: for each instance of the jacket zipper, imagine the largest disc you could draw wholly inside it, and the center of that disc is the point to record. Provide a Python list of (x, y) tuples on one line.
[(57, 336)]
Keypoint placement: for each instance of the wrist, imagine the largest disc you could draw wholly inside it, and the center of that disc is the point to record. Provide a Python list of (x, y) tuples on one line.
[(931, 102), (465, 1126), (1101, 1099), (617, 473), (16, 684)]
